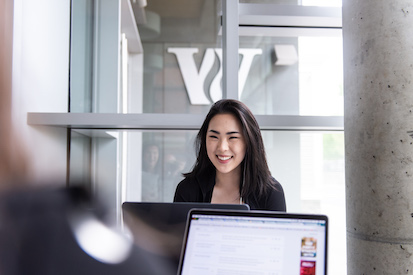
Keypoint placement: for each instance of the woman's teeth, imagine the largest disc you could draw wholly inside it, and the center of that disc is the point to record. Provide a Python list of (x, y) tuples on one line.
[(224, 158)]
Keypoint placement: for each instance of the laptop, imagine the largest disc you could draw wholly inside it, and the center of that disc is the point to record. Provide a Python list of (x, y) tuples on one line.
[(159, 227), (254, 242)]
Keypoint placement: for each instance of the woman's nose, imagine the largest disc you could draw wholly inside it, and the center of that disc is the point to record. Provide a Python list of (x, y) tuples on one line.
[(223, 145)]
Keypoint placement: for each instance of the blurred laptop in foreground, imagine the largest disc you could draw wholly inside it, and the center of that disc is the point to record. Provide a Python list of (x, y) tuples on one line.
[(159, 227)]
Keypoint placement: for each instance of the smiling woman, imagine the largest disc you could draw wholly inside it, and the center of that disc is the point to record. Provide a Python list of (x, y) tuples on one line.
[(231, 165)]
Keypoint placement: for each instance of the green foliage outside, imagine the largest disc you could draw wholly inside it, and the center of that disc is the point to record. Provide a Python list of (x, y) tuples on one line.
[(333, 146)]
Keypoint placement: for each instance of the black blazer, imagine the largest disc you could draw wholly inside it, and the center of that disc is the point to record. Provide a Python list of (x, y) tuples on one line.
[(197, 189)]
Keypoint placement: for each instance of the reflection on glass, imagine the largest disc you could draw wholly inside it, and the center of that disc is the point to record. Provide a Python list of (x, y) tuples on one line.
[(165, 157), (151, 173)]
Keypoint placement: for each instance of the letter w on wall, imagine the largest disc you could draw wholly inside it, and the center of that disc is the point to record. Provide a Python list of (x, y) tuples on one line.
[(194, 79)]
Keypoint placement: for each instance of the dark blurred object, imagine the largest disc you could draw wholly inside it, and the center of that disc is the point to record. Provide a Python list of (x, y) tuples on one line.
[(163, 224), (43, 230), (37, 236)]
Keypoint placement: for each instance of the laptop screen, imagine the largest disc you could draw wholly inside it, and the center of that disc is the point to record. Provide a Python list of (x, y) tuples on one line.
[(240, 242)]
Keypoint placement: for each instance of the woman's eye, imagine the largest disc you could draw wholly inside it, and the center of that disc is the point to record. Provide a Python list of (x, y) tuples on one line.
[(213, 136), (233, 137)]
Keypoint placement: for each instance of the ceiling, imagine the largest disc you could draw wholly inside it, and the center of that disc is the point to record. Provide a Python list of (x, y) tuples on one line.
[(176, 8), (178, 21)]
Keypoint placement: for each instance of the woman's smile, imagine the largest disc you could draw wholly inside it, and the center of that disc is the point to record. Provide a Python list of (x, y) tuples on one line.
[(224, 159)]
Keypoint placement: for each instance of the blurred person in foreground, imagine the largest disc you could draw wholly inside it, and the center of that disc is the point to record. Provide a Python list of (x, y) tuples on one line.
[(49, 230)]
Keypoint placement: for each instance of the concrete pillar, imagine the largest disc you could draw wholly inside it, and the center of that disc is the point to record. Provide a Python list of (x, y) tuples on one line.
[(378, 95)]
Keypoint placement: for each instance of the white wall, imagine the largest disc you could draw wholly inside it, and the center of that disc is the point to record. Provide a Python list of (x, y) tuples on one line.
[(40, 80)]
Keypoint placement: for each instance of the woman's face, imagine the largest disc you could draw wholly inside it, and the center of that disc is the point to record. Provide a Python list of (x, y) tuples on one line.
[(225, 143)]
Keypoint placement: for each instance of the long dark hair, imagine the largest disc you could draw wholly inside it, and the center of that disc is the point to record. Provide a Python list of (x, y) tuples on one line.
[(256, 176)]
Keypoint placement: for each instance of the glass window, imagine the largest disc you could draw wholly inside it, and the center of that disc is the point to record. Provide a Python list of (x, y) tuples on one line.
[(282, 72), (81, 61), (182, 57), (321, 76), (292, 75)]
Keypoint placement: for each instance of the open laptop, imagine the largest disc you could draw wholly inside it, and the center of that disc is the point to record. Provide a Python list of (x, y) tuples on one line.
[(159, 227), (254, 242)]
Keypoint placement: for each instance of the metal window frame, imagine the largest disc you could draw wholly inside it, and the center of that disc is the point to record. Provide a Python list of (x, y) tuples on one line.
[(237, 18)]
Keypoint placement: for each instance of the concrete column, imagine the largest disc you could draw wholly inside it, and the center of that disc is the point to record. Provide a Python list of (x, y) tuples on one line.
[(378, 93)]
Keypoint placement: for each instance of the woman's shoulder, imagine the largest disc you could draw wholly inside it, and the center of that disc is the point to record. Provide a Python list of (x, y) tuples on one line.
[(276, 184), (189, 189), (275, 187), (187, 186), (187, 182), (276, 197)]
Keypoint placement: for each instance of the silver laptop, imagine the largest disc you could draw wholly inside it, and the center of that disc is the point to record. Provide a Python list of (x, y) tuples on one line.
[(254, 242)]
